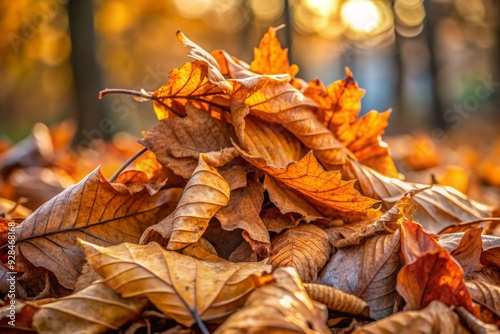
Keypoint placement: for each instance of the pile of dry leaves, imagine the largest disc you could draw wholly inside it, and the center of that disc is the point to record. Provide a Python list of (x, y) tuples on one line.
[(263, 204)]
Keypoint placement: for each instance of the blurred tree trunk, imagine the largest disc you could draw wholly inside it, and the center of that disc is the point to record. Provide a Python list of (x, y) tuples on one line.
[(433, 12), (86, 74), (496, 61)]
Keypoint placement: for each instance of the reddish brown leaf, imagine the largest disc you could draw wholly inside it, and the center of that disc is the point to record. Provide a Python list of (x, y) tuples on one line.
[(488, 297), (468, 251)]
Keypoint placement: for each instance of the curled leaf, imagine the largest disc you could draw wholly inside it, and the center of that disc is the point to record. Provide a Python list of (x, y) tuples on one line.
[(281, 306), (337, 300), (205, 193)]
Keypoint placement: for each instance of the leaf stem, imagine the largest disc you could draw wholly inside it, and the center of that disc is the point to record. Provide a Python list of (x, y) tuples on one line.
[(128, 162), (143, 95), (200, 323)]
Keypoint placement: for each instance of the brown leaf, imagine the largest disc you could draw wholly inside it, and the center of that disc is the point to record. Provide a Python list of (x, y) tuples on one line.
[(95, 210), (415, 241), (468, 251), (178, 142), (202, 250), (491, 251), (367, 271), (440, 206), (282, 306), (337, 300), (96, 309), (243, 253), (178, 285), (435, 318), (324, 190), (304, 248), (242, 211), (275, 221), (205, 193), (474, 325), (270, 58), (488, 297)]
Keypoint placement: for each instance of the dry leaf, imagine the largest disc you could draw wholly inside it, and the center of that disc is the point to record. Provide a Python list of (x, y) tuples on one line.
[(339, 106), (96, 309), (367, 271), (243, 253), (468, 252), (180, 286), (242, 211), (202, 250), (270, 58), (324, 190), (474, 325), (440, 206), (337, 300), (205, 193), (94, 210), (436, 318), (178, 142), (487, 296), (305, 248), (282, 306)]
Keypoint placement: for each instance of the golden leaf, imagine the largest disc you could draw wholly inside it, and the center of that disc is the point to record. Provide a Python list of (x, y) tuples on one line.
[(205, 193), (178, 285), (304, 248), (95, 309), (281, 306), (337, 300)]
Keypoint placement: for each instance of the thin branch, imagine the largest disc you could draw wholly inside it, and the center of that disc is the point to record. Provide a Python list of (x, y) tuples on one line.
[(200, 323), (128, 162)]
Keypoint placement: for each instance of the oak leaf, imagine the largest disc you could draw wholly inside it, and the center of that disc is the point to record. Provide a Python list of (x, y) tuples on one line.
[(180, 286), (94, 210), (96, 309), (281, 306), (304, 248)]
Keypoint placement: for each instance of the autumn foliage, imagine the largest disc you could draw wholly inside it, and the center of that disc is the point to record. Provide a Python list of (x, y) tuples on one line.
[(263, 204)]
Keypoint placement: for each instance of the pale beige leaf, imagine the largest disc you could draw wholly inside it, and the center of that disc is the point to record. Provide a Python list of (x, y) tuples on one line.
[(368, 271), (95, 210), (440, 206), (96, 309), (337, 300), (205, 193), (305, 248), (178, 285), (488, 297), (282, 306), (436, 318), (474, 325)]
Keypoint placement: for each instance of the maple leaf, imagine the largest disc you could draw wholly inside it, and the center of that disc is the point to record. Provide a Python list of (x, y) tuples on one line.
[(178, 285), (323, 189), (270, 58), (338, 108)]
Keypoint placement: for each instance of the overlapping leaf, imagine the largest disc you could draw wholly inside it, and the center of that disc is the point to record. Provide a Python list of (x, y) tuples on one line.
[(304, 248), (282, 306), (180, 286), (96, 309), (95, 210), (337, 300), (487, 296), (324, 190)]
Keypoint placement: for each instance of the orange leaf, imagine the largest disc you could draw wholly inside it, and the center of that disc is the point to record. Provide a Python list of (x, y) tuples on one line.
[(434, 276), (415, 242), (324, 190), (270, 58)]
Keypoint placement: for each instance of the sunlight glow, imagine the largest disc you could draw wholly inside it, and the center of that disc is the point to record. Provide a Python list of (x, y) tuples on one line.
[(362, 16)]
